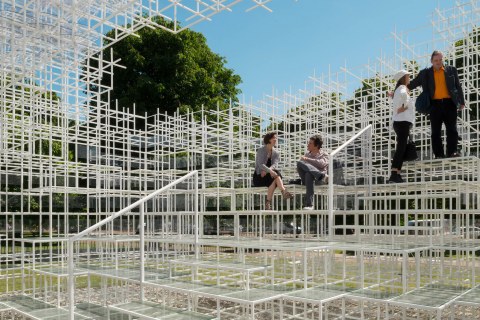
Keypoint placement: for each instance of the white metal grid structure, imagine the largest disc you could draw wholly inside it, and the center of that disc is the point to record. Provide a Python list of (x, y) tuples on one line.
[(369, 250)]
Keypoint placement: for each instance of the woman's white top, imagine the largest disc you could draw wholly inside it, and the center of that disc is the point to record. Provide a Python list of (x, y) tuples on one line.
[(402, 97)]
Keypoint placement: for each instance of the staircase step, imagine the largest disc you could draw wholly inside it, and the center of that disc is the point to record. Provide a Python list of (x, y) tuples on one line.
[(314, 295), (36, 309), (432, 296), (410, 196), (4, 307), (470, 298), (234, 266), (151, 310), (97, 312)]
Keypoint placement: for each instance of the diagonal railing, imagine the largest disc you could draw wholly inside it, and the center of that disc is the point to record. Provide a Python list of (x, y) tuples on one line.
[(140, 203), (368, 156)]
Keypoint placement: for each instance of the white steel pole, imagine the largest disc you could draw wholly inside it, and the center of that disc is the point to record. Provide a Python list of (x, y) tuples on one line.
[(142, 251), (195, 203), (71, 282)]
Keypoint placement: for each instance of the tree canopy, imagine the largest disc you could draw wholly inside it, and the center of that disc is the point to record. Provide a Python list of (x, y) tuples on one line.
[(169, 71)]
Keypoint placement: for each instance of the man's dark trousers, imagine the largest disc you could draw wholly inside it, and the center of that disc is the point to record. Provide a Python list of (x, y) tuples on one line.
[(443, 111)]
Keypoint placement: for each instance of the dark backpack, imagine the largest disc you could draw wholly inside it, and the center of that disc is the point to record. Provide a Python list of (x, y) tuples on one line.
[(423, 104)]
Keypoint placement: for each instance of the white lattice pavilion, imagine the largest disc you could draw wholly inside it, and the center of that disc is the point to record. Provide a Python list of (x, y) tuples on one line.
[(116, 221)]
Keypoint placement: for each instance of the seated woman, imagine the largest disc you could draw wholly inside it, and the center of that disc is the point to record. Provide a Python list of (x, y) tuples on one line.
[(312, 167), (266, 169)]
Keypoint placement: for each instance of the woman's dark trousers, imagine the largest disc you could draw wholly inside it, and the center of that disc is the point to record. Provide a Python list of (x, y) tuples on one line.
[(402, 130)]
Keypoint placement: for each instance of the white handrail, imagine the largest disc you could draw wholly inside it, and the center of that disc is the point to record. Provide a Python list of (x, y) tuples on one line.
[(330, 173), (71, 240)]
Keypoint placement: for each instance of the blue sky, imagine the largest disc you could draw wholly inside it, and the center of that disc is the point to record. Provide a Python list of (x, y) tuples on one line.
[(281, 49)]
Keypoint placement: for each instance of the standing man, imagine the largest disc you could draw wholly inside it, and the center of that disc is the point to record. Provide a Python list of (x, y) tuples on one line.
[(446, 95)]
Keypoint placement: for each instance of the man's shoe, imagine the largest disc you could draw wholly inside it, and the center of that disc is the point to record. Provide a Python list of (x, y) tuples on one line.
[(308, 208), (295, 181), (455, 155), (395, 178)]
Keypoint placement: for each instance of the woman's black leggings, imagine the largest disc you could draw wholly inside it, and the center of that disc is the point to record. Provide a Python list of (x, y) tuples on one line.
[(402, 129)]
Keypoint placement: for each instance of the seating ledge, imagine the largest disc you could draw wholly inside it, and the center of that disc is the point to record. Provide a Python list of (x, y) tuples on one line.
[(4, 307), (37, 309), (222, 265), (151, 310)]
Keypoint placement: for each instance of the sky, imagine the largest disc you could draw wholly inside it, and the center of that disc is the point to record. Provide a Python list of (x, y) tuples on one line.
[(281, 49)]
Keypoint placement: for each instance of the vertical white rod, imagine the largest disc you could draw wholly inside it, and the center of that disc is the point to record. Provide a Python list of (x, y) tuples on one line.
[(71, 282), (197, 230), (142, 251), (330, 198)]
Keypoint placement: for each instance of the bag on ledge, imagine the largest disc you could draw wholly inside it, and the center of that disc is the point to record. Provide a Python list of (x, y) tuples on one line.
[(411, 151)]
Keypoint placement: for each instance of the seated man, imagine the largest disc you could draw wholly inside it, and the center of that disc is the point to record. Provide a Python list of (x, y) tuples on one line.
[(313, 166)]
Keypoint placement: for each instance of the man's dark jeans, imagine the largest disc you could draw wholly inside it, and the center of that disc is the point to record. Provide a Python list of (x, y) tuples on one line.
[(443, 111), (309, 174)]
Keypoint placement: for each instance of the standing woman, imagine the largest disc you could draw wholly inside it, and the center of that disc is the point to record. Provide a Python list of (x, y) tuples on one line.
[(403, 119), (266, 169)]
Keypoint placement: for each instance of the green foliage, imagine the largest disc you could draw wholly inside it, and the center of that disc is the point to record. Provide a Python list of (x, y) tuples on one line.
[(43, 141), (169, 71), (16, 117), (371, 88), (466, 50), (412, 66), (332, 99)]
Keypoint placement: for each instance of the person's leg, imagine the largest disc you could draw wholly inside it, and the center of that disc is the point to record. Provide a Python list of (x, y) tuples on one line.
[(271, 190), (301, 172), (308, 168), (283, 189), (308, 174), (450, 120), (436, 119), (278, 181), (309, 182), (402, 130)]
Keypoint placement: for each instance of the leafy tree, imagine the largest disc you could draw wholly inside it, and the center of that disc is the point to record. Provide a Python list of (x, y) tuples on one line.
[(371, 88), (325, 102), (42, 145), (412, 66), (15, 116), (169, 71), (465, 56)]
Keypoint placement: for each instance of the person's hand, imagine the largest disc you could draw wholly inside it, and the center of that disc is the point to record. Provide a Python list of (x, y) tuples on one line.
[(303, 158), (390, 94), (461, 107), (401, 109), (274, 174), (263, 174)]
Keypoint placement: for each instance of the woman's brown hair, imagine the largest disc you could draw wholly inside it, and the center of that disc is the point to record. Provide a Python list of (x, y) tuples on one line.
[(400, 82), (268, 136)]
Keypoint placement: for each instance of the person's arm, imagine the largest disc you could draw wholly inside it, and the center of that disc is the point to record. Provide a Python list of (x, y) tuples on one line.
[(323, 161), (259, 160), (404, 97), (320, 162), (417, 81), (458, 86), (275, 160)]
